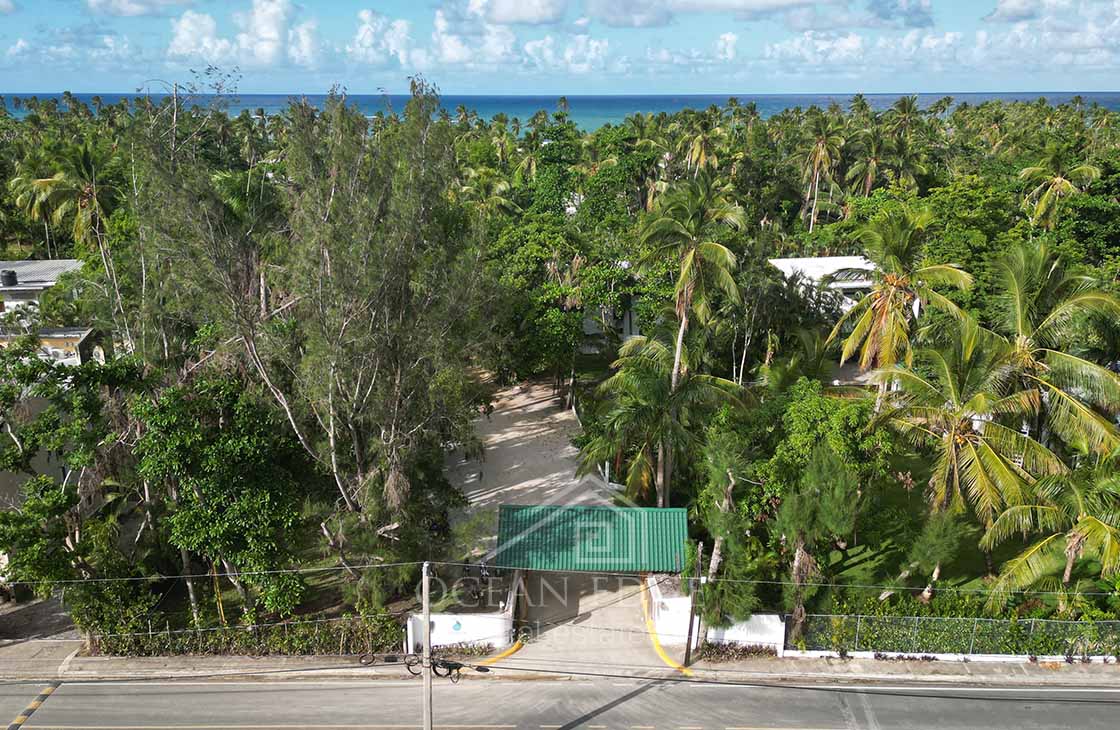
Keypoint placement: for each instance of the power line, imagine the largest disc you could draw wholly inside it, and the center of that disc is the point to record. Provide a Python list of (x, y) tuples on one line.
[(796, 687), (239, 574), (810, 584)]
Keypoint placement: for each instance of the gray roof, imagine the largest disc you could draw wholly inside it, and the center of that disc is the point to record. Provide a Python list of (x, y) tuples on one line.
[(78, 333), (39, 274)]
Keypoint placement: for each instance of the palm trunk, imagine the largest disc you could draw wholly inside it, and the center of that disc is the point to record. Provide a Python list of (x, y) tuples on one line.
[(881, 398), (676, 376), (927, 594), (816, 196), (660, 478)]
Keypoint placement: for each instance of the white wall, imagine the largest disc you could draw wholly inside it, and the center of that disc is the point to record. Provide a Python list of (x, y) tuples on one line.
[(448, 629), (761, 629), (670, 620)]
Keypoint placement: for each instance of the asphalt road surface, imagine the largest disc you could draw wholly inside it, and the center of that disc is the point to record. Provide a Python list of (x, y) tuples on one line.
[(540, 705)]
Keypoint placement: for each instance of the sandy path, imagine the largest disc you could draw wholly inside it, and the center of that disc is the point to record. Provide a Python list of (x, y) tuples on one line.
[(529, 458)]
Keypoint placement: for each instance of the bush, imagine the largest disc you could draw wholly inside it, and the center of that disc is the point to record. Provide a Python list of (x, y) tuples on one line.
[(953, 635), (344, 637), (733, 651)]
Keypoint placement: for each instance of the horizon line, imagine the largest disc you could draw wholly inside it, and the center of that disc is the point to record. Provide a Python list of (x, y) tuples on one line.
[(575, 95)]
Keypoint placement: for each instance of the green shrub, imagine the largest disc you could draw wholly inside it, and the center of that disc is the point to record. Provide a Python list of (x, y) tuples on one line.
[(344, 637)]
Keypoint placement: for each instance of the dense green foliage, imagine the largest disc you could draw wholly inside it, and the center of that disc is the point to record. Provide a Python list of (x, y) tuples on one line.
[(302, 307)]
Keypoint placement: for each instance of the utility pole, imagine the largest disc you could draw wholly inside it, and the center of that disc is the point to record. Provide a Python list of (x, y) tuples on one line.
[(692, 605), (427, 655)]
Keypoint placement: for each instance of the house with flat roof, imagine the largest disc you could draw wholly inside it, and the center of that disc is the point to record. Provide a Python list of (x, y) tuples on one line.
[(23, 282), (848, 275), (65, 345)]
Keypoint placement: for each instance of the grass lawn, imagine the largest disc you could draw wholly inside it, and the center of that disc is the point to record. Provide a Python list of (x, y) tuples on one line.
[(888, 526)]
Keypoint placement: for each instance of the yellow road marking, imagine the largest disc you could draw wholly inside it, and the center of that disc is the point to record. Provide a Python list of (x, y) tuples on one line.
[(497, 658), (653, 634), (35, 704)]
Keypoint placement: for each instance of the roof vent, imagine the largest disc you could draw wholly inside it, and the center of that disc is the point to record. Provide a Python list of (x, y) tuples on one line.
[(8, 277)]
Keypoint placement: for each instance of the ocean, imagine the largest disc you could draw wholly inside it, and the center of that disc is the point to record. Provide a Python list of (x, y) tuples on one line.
[(591, 112)]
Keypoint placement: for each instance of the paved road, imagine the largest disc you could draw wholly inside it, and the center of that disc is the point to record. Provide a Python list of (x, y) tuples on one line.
[(506, 705)]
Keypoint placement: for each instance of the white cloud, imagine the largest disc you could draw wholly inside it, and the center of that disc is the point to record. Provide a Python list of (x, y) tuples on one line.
[(726, 46), (7, 6), (111, 50), (629, 13), (582, 54), (463, 39), (130, 7), (266, 38), (1014, 10), (813, 48), (647, 13), (264, 31), (907, 13), (379, 39), (529, 12), (195, 35), (303, 44), (18, 49)]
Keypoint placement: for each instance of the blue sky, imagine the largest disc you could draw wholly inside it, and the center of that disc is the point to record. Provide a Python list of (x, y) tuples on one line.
[(566, 46)]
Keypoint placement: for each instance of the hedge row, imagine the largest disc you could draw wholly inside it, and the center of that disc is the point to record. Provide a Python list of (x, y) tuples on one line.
[(346, 636), (938, 635)]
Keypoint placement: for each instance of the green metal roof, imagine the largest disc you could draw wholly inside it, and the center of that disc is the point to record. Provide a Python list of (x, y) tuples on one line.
[(592, 539)]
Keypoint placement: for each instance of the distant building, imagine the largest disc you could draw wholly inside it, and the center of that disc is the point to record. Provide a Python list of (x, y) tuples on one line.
[(23, 282), (848, 275), (66, 345)]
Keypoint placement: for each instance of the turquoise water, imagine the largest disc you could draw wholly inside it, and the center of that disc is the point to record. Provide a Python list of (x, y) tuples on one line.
[(590, 112)]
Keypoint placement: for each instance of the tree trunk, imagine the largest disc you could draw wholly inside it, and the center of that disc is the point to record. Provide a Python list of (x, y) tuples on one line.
[(881, 398), (927, 594), (185, 557), (242, 592), (676, 376), (660, 478), (717, 548), (816, 195)]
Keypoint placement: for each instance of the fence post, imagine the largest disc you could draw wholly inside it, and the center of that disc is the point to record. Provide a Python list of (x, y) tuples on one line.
[(972, 639), (914, 633), (858, 619)]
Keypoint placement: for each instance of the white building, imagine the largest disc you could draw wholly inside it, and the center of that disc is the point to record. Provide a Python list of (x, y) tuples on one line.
[(849, 275), (23, 282)]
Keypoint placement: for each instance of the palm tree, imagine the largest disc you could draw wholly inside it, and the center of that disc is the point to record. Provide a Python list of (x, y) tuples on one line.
[(900, 287), (682, 231), (649, 418), (489, 191), (955, 400), (77, 192), (1041, 304), (701, 137), (820, 157), (30, 199), (1078, 515), (905, 115), (907, 161), (1055, 178), (874, 148), (530, 158)]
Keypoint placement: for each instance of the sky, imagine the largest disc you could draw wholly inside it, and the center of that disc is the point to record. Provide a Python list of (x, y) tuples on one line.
[(564, 46)]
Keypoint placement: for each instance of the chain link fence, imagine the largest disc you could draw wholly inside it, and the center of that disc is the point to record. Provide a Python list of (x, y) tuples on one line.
[(941, 635)]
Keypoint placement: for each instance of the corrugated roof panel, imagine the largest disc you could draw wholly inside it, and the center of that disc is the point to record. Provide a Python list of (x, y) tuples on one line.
[(41, 272), (592, 539)]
